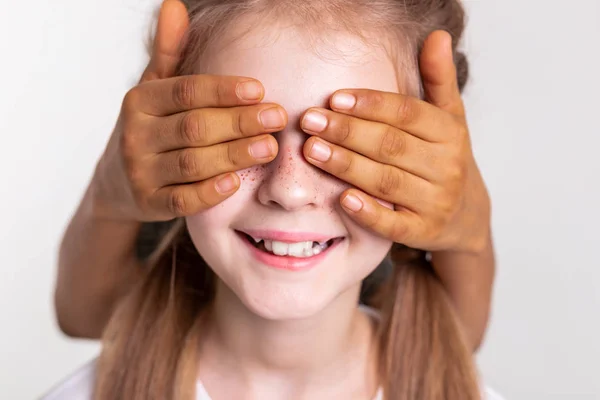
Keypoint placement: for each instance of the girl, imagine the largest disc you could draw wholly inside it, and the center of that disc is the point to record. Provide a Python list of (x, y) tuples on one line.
[(257, 297)]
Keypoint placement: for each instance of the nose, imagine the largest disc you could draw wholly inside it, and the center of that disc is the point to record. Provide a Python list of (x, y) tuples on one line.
[(291, 183)]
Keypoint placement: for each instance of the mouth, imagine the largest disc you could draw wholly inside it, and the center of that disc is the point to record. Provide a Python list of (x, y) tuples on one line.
[(290, 251)]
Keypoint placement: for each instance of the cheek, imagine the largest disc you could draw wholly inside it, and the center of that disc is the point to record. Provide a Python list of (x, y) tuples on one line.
[(250, 178), (368, 251)]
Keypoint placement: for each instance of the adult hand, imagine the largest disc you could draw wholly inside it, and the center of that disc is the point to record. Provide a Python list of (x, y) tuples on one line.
[(414, 154), (178, 140)]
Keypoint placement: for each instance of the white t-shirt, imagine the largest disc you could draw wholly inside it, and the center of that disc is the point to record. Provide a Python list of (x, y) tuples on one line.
[(80, 385)]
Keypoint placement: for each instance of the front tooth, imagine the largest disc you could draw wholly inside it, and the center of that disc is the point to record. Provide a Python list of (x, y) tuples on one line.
[(298, 249), (279, 248)]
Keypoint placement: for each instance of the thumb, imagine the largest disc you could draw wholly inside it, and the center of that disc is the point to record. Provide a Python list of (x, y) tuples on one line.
[(172, 24), (439, 73)]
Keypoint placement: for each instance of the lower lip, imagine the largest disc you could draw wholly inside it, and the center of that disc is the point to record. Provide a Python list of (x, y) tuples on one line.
[(287, 262)]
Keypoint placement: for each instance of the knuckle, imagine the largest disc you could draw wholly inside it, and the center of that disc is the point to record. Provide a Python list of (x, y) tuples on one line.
[(131, 100), (375, 100), (184, 92), (232, 157), (188, 164), (400, 232), (343, 166), (135, 175), (237, 123), (460, 132), (393, 144), (343, 131), (389, 181), (455, 172), (220, 91), (177, 203), (130, 140), (203, 196), (136, 179), (406, 112), (193, 128), (445, 208)]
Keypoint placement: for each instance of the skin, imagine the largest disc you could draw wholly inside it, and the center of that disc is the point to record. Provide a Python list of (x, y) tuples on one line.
[(303, 337), (125, 188)]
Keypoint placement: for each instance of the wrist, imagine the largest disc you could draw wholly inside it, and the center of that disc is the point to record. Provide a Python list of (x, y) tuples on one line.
[(461, 266), (99, 207), (479, 245)]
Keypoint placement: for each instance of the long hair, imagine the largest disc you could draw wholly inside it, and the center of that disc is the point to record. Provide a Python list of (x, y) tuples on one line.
[(151, 344)]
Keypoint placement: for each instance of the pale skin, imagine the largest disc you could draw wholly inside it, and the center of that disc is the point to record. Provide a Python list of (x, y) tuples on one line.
[(97, 262)]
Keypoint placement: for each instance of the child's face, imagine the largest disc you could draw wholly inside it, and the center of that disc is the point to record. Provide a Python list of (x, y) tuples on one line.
[(289, 195)]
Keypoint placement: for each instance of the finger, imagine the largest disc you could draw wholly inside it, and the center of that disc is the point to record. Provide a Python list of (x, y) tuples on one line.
[(377, 141), (407, 113), (439, 74), (208, 126), (380, 180), (199, 163), (172, 24), (183, 93), (186, 200), (400, 226)]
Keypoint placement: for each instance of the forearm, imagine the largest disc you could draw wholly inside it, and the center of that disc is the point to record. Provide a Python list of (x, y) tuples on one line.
[(468, 279), (97, 264)]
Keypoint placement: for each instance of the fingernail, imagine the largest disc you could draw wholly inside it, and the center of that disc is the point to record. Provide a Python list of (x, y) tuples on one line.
[(343, 101), (314, 121), (271, 118), (225, 184), (352, 203), (261, 149), (319, 151), (250, 90)]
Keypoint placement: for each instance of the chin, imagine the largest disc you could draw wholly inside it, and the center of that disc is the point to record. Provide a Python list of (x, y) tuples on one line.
[(279, 303)]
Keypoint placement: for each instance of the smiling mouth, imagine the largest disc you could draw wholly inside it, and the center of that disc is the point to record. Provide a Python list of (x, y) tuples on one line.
[(304, 249)]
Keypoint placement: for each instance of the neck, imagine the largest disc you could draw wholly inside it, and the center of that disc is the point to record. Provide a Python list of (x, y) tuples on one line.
[(327, 347)]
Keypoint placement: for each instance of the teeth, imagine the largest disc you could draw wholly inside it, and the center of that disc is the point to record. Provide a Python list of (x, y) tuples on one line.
[(279, 248), (298, 249), (256, 240)]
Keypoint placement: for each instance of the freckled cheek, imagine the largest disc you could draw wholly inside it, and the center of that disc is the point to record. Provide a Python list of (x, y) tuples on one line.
[(250, 178), (221, 215)]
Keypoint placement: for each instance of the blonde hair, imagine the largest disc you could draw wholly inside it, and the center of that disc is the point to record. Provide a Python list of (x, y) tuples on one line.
[(150, 347)]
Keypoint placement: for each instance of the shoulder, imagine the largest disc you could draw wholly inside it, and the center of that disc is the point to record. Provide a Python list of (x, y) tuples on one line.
[(77, 386)]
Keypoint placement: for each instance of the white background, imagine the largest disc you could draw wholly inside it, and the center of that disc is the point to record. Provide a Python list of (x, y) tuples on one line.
[(534, 107)]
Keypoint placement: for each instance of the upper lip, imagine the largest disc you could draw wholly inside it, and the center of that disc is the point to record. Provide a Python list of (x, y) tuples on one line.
[(288, 237)]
